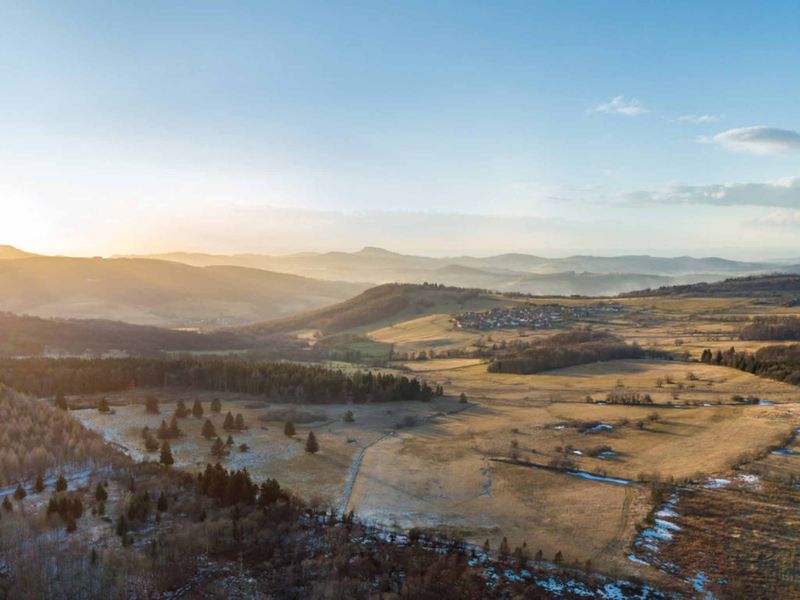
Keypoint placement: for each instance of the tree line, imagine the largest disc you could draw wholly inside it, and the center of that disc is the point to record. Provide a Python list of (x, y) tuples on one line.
[(276, 381), (772, 328), (565, 350), (775, 362)]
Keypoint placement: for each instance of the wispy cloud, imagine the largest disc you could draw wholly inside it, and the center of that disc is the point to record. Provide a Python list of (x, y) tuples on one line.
[(619, 105), (778, 219), (783, 193), (756, 140), (700, 119)]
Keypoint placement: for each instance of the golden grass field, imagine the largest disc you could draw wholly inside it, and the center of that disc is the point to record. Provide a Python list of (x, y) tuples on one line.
[(437, 472)]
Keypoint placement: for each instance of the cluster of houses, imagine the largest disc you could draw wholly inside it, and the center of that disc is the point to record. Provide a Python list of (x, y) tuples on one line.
[(535, 316)]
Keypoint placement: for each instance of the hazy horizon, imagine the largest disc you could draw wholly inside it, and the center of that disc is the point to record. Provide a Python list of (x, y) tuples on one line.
[(452, 129)]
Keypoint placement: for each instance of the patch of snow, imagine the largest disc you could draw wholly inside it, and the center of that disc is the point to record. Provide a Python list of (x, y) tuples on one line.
[(637, 560), (753, 481), (785, 452), (715, 483), (600, 427), (698, 581), (593, 477), (664, 524)]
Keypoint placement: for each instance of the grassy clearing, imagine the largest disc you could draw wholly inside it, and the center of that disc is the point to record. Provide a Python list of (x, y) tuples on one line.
[(271, 453)]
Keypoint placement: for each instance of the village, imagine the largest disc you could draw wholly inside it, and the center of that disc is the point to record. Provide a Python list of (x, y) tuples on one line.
[(535, 316)]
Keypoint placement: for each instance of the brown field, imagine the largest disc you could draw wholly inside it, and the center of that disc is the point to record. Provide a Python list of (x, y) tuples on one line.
[(431, 465), (272, 454)]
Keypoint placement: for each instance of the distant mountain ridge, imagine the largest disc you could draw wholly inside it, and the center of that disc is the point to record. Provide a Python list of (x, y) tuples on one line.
[(11, 253), (158, 292), (585, 275)]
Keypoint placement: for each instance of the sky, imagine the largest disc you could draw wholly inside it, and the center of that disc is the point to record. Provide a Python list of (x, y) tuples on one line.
[(424, 127)]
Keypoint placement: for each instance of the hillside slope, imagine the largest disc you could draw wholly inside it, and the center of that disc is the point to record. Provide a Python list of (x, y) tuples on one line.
[(782, 284), (156, 292), (11, 253), (26, 335), (380, 306)]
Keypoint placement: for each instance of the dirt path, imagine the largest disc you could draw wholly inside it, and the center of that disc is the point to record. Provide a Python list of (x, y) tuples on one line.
[(356, 467), (616, 543)]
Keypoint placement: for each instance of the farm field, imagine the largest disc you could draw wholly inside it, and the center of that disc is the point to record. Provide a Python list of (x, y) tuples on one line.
[(434, 465)]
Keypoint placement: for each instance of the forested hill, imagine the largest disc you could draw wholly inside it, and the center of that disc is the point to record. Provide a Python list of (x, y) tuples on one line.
[(156, 292), (381, 303), (372, 305), (755, 285), (26, 335)]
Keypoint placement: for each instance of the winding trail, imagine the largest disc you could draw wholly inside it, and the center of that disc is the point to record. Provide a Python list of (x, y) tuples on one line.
[(355, 468)]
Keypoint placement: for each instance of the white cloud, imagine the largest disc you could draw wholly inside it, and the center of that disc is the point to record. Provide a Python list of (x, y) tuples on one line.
[(699, 118), (778, 219), (756, 140), (783, 193), (620, 106)]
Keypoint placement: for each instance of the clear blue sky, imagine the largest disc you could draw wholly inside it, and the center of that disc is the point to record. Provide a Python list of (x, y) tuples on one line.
[(598, 125)]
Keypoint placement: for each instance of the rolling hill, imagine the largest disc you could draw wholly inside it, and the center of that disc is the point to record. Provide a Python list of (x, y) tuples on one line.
[(12, 253), (585, 275), (779, 285), (156, 292), (380, 306), (23, 335)]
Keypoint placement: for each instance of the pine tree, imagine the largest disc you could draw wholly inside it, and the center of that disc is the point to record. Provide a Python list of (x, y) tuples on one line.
[(208, 430), (122, 526), (7, 504), (239, 423), (173, 431), (20, 492), (311, 443), (218, 448), (93, 557), (150, 443), (504, 549), (228, 424), (229, 441), (162, 502), (39, 485), (181, 411), (348, 417), (288, 429), (103, 406), (151, 405), (462, 398), (166, 454), (100, 493), (163, 431), (61, 401), (216, 405), (197, 409), (61, 484), (558, 558)]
